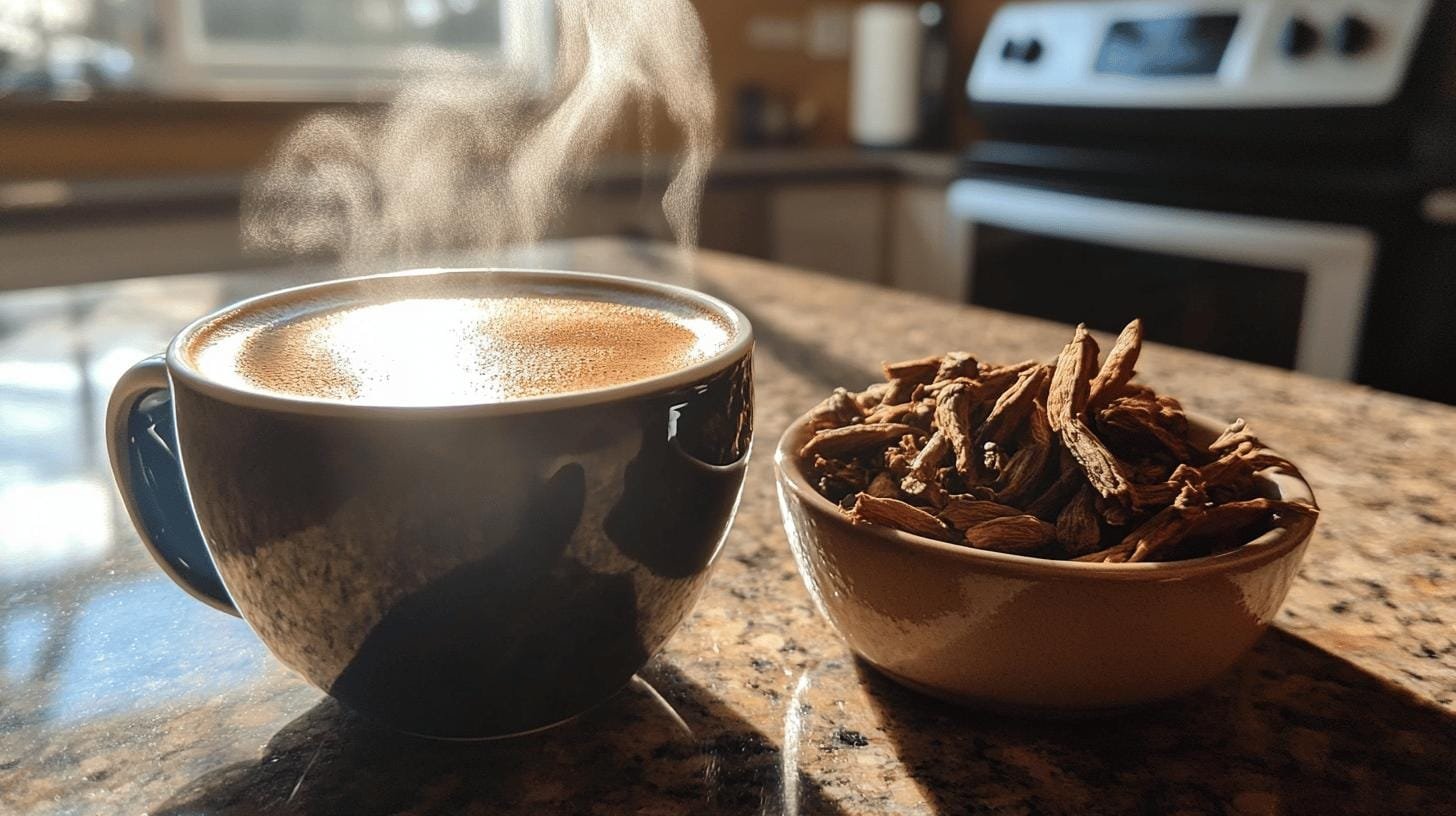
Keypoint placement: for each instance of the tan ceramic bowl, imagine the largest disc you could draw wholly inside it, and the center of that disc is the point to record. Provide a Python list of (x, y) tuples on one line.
[(1043, 637)]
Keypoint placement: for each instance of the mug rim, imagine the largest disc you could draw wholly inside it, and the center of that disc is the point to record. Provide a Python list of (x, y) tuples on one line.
[(792, 475), (738, 348)]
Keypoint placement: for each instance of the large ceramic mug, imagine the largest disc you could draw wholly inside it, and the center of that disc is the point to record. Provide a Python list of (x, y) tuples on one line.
[(458, 571)]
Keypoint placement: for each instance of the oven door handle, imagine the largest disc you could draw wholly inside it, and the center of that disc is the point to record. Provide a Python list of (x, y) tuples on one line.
[(1336, 259)]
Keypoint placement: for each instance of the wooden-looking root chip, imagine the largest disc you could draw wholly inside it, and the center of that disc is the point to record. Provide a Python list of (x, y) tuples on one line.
[(1237, 433), (1079, 530), (1013, 406), (986, 383), (1265, 459), (1071, 379), (928, 493), (928, 460), (1069, 480), (1146, 471), (1024, 472), (923, 479), (1140, 422), (923, 414), (899, 391), (837, 410), (1102, 469), (976, 492), (1115, 512), (1162, 494), (837, 479), (992, 381), (1171, 414), (889, 413), (963, 513), (1232, 517), (882, 486), (898, 515), (872, 396), (1232, 470), (1167, 526), (956, 364), (918, 371), (953, 418), (1021, 534), (837, 442), (1118, 369), (1188, 519), (993, 459)]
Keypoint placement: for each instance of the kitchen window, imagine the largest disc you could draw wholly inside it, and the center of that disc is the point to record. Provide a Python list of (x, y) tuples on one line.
[(324, 48), (320, 50)]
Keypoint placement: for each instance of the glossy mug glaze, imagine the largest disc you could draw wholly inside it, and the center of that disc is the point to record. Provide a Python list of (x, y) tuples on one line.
[(1031, 635), (462, 571)]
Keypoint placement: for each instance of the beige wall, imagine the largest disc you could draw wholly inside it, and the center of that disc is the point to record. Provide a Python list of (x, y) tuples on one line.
[(826, 82)]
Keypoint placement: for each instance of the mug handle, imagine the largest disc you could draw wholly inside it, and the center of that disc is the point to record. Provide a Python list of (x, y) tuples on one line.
[(141, 437)]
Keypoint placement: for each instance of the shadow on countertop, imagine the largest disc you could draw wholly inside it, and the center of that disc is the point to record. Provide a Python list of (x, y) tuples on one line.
[(1291, 729), (663, 745)]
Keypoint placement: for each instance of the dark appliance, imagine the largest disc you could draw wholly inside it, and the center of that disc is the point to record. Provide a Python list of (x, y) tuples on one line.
[(1267, 179)]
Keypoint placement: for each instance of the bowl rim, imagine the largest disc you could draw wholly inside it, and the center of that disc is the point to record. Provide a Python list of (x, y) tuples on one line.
[(1273, 544)]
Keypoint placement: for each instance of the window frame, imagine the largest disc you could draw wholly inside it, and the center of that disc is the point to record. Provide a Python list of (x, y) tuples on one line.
[(189, 65)]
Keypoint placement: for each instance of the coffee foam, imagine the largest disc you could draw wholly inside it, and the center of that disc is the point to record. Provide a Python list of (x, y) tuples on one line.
[(410, 344)]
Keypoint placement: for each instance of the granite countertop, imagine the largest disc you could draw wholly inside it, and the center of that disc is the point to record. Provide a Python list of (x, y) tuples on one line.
[(119, 694)]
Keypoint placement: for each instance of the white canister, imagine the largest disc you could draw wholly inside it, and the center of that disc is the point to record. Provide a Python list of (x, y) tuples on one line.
[(885, 75)]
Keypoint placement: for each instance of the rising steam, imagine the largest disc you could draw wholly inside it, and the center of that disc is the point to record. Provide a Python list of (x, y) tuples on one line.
[(476, 155)]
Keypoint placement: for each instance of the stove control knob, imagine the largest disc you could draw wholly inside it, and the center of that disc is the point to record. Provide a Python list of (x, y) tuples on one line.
[(1299, 38), (1027, 50), (1352, 35)]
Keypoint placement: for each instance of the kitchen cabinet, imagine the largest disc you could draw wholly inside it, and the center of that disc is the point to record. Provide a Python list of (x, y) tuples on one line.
[(133, 247), (837, 227), (736, 219), (887, 231), (875, 217), (929, 250), (620, 212)]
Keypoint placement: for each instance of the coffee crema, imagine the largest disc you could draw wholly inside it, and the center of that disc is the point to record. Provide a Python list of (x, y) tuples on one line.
[(454, 340)]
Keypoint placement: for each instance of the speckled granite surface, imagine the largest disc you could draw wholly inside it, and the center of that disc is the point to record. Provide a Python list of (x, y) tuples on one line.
[(118, 694)]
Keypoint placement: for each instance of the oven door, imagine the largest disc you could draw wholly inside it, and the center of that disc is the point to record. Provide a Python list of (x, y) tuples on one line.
[(1277, 291)]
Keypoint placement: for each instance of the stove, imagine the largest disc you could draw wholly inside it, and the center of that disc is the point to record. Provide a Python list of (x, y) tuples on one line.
[(1190, 55), (1272, 180)]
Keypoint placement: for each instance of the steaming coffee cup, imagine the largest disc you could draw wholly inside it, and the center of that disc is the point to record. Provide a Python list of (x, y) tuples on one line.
[(466, 503)]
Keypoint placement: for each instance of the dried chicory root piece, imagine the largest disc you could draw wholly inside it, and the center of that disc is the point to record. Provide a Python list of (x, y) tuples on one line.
[(1027, 467), (1071, 380), (1118, 370), (839, 441), (1067, 460), (955, 365), (924, 475), (1012, 407), (898, 515), (964, 513), (1020, 534), (916, 371), (837, 410), (953, 418), (1079, 529)]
